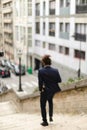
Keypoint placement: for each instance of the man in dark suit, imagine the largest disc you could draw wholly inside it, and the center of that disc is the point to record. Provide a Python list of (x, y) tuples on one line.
[(48, 79)]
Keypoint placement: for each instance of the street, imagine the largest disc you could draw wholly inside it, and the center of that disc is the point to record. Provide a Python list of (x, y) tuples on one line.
[(27, 80)]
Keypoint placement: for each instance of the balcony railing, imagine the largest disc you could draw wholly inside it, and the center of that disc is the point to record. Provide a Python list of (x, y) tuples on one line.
[(7, 10), (64, 11), (9, 40), (81, 9), (8, 30), (80, 37), (64, 35), (7, 20)]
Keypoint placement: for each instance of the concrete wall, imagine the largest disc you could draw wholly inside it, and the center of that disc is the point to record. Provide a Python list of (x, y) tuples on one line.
[(10, 96), (70, 101)]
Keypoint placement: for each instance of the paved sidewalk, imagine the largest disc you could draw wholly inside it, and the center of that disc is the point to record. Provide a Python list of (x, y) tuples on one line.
[(28, 87)]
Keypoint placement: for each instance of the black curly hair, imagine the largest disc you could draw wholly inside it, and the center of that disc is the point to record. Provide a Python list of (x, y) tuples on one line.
[(46, 60)]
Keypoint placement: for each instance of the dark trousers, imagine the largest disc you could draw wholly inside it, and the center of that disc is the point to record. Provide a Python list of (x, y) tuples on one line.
[(43, 100)]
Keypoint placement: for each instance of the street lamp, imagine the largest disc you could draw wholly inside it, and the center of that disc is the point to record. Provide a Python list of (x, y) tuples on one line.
[(19, 55), (79, 70)]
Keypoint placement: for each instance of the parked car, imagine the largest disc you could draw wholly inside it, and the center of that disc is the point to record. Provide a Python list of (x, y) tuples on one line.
[(8, 65), (4, 72), (16, 70), (3, 62)]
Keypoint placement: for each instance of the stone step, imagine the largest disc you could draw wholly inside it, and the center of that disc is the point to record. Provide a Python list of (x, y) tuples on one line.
[(7, 107), (11, 119), (26, 121), (19, 121)]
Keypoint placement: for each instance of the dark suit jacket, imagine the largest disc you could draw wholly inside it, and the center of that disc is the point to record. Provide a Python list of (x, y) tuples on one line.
[(49, 77)]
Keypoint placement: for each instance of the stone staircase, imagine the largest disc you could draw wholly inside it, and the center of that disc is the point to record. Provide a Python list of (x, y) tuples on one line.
[(12, 119), (7, 108)]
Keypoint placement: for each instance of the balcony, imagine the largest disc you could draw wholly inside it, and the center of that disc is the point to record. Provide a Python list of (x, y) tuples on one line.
[(64, 11), (81, 9), (80, 37), (10, 41), (5, 1), (7, 20), (64, 35), (7, 10), (8, 30)]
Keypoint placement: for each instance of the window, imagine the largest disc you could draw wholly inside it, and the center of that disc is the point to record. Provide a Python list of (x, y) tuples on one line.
[(52, 7), (80, 32), (64, 3), (37, 43), (30, 30), (29, 7), (17, 33), (22, 34), (61, 3), (67, 3), (61, 27), (37, 9), (29, 36), (43, 28), (44, 7), (81, 2), (44, 44), (60, 49), (81, 28), (52, 29), (67, 27), (24, 8), (79, 54), (37, 27), (52, 47), (66, 51)]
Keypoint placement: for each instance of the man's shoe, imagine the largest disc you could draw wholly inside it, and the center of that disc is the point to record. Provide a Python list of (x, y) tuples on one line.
[(51, 119), (44, 124)]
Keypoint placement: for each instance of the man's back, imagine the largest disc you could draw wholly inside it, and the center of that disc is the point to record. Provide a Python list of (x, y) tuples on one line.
[(50, 74), (50, 77)]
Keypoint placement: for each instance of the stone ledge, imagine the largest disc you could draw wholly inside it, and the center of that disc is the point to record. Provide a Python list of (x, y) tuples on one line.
[(73, 85)]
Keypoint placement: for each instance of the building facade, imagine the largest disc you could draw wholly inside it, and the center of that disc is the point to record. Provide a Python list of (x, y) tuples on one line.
[(7, 26), (23, 31), (1, 36), (55, 27), (61, 31)]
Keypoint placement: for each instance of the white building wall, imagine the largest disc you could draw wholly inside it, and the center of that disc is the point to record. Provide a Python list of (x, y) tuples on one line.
[(67, 61), (72, 7), (23, 21)]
